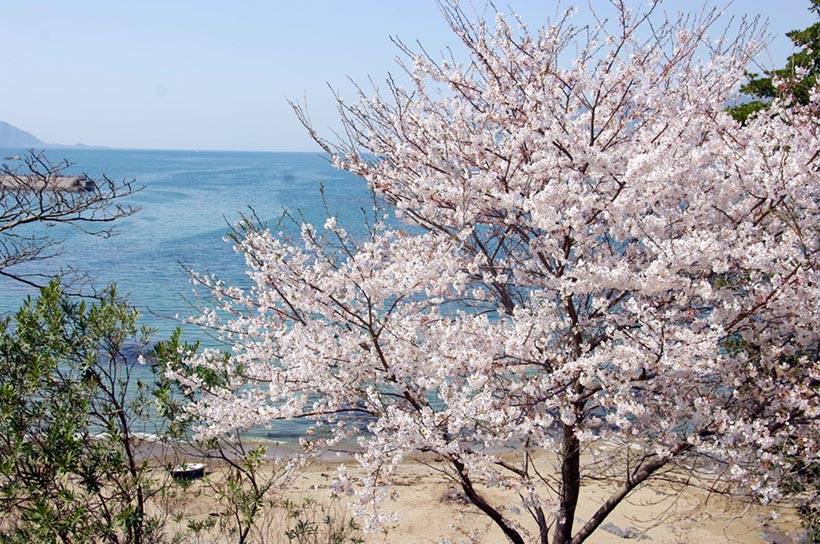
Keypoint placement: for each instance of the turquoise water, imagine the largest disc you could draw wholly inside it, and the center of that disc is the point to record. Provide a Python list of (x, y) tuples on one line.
[(188, 201)]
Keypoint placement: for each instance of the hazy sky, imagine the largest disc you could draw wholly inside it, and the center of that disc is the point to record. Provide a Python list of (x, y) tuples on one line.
[(204, 74)]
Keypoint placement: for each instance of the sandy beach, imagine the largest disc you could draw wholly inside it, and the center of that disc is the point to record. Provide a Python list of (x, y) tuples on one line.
[(432, 510)]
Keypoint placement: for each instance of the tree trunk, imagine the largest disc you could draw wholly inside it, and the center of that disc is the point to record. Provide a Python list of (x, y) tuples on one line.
[(570, 486)]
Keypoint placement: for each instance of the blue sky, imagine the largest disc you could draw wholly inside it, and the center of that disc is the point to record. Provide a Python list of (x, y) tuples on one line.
[(185, 74)]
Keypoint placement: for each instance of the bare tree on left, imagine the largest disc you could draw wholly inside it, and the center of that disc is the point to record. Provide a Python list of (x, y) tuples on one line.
[(35, 192)]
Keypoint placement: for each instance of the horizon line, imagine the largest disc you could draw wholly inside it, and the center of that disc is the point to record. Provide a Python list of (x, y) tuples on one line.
[(85, 147)]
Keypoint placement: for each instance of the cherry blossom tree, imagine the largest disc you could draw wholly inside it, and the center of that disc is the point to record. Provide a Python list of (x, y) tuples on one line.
[(582, 257)]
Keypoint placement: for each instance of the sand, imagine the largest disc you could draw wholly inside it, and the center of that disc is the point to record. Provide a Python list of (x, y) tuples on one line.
[(432, 510)]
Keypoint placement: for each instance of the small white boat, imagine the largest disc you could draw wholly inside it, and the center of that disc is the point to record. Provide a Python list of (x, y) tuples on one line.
[(188, 471)]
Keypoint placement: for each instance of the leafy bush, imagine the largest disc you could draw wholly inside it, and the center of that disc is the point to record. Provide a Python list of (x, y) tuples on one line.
[(72, 464)]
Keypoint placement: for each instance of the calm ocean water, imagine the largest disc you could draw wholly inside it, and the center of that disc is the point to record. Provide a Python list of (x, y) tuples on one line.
[(187, 203)]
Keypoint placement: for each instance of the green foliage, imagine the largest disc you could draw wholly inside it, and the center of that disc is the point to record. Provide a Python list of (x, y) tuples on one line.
[(810, 515), (74, 466), (797, 78), (70, 469), (242, 492), (310, 522)]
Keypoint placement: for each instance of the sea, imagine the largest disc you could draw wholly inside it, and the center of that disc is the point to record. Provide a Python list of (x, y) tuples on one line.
[(188, 202)]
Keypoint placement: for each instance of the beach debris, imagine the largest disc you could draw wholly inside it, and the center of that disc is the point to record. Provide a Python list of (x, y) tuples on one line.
[(627, 533), (776, 536), (454, 496)]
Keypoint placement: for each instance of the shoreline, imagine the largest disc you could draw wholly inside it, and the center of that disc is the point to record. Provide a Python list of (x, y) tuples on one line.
[(432, 508)]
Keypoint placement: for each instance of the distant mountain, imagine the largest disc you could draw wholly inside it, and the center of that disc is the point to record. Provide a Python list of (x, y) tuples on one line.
[(11, 136)]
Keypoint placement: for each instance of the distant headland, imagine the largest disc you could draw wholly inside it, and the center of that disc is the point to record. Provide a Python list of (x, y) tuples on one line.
[(12, 137)]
